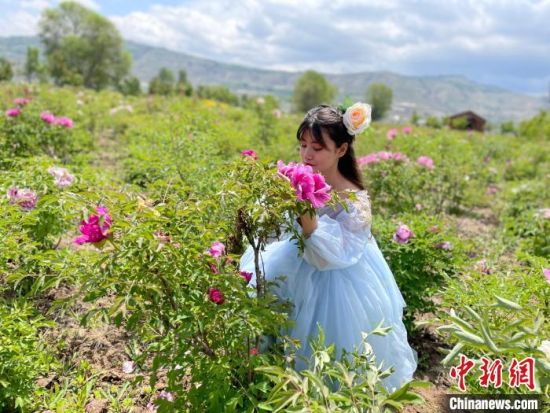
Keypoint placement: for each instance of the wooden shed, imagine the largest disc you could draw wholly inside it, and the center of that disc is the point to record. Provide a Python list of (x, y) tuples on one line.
[(467, 120)]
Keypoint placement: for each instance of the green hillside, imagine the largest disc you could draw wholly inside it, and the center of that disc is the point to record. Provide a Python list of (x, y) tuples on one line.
[(433, 95)]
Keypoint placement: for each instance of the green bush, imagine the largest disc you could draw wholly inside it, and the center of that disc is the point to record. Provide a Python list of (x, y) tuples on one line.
[(422, 265), (23, 356)]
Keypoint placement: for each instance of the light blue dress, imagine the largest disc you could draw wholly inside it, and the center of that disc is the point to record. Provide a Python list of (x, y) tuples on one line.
[(343, 282)]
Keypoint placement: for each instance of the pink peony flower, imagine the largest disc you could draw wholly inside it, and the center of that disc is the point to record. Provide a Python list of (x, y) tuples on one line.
[(151, 407), (96, 228), (62, 176), (21, 101), (286, 170), (162, 237), (368, 159), (309, 186), (403, 234), (250, 152), (13, 112), (445, 245), (25, 198), (246, 275), (546, 272), (546, 213), (217, 249), (419, 207), (425, 161), (254, 351), (215, 295), (483, 267), (166, 395), (399, 157), (383, 155), (492, 189), (47, 117), (128, 367), (391, 134), (64, 121), (407, 130)]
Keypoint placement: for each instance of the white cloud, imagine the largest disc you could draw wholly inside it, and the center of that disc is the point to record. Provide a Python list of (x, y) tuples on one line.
[(477, 38)]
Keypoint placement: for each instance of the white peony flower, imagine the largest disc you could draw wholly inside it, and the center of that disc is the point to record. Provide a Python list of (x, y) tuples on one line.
[(545, 348), (357, 118)]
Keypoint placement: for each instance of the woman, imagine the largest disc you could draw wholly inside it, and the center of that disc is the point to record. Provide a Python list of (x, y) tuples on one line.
[(341, 280)]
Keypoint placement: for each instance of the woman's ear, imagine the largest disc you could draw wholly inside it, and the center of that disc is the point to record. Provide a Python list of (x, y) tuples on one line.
[(342, 150)]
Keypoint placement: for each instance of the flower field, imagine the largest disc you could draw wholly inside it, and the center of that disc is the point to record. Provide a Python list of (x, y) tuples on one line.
[(124, 218)]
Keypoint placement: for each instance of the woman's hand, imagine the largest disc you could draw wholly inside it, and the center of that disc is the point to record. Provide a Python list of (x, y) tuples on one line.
[(308, 223)]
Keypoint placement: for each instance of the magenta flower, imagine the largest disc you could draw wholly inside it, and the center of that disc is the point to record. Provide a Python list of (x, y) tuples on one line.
[(546, 272), (21, 101), (47, 117), (217, 249), (425, 161), (25, 198), (250, 152), (286, 170), (407, 130), (64, 121), (254, 351), (96, 228), (391, 134), (309, 186), (403, 234), (13, 112), (62, 177), (246, 275), (215, 295), (445, 245)]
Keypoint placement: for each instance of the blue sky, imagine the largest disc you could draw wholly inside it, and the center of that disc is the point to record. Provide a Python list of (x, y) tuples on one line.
[(504, 43)]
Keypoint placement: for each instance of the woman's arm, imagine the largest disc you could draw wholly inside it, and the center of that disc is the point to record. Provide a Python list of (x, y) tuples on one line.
[(308, 223)]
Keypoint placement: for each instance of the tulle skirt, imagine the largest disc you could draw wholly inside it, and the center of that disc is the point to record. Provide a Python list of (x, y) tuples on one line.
[(345, 302)]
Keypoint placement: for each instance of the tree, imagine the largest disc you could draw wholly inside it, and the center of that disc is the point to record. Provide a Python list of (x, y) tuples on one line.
[(312, 89), (32, 64), (6, 71), (380, 98), (163, 83), (130, 86), (82, 47), (183, 87), (217, 92)]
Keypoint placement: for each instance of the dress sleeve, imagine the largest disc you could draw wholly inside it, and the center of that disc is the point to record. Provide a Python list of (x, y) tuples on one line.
[(339, 243)]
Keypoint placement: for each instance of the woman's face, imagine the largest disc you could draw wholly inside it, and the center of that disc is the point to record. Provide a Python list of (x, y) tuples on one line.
[(323, 160)]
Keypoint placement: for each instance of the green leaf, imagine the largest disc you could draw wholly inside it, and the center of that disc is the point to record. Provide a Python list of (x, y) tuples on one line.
[(503, 302)]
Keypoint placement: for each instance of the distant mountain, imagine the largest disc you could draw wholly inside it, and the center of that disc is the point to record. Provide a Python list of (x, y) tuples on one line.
[(427, 95)]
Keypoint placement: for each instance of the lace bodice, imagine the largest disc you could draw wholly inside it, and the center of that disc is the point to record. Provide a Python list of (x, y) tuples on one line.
[(359, 216)]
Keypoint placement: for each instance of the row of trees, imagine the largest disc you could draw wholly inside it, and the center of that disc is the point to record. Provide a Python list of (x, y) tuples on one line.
[(83, 48), (313, 88)]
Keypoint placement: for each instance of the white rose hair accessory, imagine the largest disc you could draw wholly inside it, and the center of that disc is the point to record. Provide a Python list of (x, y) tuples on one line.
[(357, 118)]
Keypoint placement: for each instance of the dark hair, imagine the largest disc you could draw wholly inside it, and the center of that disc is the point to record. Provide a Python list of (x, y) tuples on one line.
[(329, 119)]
